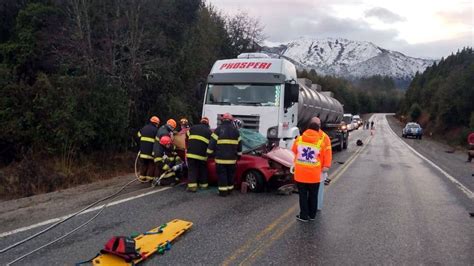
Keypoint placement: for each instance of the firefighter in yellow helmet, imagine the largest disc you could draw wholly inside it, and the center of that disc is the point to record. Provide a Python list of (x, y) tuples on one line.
[(184, 125), (147, 139)]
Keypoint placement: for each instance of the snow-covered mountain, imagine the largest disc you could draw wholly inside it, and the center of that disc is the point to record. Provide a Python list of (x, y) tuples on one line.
[(350, 59)]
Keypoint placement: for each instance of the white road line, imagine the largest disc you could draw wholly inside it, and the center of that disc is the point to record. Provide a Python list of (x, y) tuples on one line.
[(463, 188), (22, 229)]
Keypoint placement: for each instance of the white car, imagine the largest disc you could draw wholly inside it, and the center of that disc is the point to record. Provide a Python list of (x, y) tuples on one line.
[(347, 118), (355, 124), (358, 120)]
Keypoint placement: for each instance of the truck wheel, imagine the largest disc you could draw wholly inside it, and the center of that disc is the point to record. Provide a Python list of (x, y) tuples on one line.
[(255, 180)]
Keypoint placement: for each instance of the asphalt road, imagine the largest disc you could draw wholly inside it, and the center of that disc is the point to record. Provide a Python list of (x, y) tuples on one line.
[(386, 205)]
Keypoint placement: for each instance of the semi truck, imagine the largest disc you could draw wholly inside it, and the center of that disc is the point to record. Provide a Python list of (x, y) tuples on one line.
[(267, 96)]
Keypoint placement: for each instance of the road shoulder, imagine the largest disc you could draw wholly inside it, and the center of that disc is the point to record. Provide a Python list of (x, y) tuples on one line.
[(30, 210), (447, 158)]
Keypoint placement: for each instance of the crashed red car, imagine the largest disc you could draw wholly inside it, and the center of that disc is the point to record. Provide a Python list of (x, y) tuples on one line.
[(259, 164)]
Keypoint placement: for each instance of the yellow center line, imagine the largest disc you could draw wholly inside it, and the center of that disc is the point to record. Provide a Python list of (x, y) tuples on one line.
[(277, 235), (265, 245), (265, 231)]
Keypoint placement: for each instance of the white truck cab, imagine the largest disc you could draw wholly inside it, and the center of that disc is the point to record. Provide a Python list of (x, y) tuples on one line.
[(260, 91)]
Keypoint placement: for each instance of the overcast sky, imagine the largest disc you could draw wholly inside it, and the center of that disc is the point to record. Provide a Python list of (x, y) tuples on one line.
[(419, 28)]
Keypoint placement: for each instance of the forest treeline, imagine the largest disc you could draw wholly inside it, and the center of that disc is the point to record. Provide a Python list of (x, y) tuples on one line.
[(362, 95), (442, 97), (81, 75)]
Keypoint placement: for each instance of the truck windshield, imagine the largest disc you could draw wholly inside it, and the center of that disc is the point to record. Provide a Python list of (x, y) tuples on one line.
[(244, 94)]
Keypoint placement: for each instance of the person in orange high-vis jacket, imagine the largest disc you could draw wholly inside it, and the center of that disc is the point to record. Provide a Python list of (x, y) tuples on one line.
[(313, 156)]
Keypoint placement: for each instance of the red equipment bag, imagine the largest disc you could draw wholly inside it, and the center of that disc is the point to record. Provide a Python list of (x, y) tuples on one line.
[(123, 247)]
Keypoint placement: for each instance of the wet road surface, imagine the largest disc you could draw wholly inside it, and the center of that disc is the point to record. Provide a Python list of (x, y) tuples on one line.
[(385, 206)]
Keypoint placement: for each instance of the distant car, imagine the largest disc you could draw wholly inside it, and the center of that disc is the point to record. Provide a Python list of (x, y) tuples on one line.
[(347, 118), (358, 120), (412, 130), (355, 124)]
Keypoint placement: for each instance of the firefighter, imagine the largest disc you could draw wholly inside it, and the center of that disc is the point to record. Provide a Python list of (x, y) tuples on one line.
[(198, 140), (167, 161), (147, 139), (313, 155), (166, 129), (226, 147), (183, 125)]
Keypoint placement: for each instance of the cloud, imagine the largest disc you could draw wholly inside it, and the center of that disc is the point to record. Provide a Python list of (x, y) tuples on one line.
[(320, 25), (384, 15), (457, 17), (286, 20), (438, 49)]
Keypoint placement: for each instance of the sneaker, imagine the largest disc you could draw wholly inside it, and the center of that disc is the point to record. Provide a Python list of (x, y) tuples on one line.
[(312, 218), (301, 219)]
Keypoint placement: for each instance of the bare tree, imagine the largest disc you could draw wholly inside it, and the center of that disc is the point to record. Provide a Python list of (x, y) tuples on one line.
[(245, 32)]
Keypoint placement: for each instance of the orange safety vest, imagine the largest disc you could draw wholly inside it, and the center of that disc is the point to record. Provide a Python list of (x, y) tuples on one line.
[(312, 152)]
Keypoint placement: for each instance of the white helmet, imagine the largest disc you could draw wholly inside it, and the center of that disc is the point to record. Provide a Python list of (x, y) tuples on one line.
[(237, 123)]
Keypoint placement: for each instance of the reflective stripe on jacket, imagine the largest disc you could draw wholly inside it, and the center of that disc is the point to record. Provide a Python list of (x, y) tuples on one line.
[(225, 143), (312, 152), (198, 140), (165, 158), (147, 139)]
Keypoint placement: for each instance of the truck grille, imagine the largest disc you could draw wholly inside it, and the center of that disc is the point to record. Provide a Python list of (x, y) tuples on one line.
[(251, 122)]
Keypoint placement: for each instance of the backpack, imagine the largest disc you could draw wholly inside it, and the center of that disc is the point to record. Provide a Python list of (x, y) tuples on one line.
[(123, 247)]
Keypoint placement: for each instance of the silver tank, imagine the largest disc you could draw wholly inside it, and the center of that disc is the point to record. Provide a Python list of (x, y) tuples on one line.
[(313, 103)]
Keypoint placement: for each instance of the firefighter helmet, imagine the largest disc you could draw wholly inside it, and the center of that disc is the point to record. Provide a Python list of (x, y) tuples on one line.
[(165, 140), (237, 123), (227, 116), (171, 123), (155, 120)]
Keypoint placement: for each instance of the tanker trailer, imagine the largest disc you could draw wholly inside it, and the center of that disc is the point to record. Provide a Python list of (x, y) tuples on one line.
[(314, 102)]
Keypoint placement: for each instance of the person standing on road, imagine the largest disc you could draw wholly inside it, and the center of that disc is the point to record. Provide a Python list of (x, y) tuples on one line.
[(372, 125), (312, 157), (147, 139), (198, 140), (470, 152), (226, 147)]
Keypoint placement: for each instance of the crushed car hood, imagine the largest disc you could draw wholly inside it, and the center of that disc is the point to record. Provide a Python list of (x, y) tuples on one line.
[(280, 155)]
